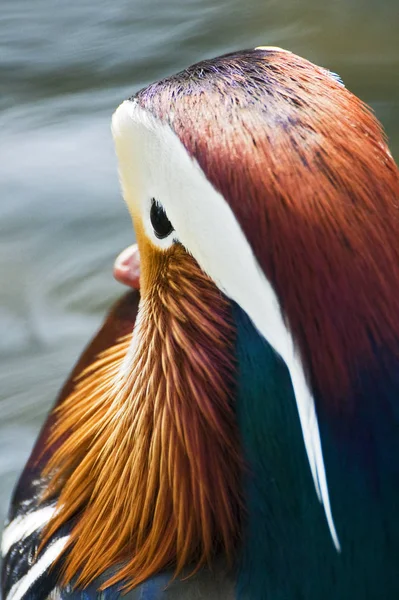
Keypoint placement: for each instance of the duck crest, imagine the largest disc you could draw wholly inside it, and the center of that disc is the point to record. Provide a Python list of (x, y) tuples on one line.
[(305, 167)]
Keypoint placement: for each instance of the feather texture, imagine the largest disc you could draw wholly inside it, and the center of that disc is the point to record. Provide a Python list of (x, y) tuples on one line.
[(149, 458)]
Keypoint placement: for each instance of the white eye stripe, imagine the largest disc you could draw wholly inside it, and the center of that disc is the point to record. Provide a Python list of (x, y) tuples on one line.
[(207, 227)]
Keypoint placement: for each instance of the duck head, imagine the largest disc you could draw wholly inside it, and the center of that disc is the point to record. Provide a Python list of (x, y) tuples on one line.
[(255, 180)]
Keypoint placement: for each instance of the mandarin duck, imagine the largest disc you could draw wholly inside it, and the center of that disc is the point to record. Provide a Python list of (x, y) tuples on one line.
[(232, 432)]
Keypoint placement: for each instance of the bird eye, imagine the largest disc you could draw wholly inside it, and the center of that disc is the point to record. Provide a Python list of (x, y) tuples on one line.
[(159, 221)]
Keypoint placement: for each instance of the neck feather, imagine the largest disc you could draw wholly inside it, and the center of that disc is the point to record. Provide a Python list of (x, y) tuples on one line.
[(149, 460)]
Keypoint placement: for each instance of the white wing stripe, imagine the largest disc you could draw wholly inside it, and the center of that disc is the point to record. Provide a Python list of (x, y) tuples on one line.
[(21, 527), (22, 586)]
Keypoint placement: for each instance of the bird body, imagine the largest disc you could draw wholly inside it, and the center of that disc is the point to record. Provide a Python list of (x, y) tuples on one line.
[(245, 435)]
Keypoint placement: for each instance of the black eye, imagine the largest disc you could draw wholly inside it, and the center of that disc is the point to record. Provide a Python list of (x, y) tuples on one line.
[(160, 222)]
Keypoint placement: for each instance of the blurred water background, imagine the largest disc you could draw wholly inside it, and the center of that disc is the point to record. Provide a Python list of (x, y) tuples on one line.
[(64, 67)]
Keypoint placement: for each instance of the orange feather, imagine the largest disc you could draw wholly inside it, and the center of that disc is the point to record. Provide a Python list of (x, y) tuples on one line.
[(147, 454)]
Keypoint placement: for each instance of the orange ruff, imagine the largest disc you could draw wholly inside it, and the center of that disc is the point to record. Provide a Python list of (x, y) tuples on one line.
[(149, 460)]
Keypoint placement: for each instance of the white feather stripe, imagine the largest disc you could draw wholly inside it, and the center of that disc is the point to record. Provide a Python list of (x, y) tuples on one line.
[(21, 587), (311, 435), (23, 526)]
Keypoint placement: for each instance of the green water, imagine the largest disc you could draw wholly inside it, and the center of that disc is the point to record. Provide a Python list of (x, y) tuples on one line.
[(64, 67)]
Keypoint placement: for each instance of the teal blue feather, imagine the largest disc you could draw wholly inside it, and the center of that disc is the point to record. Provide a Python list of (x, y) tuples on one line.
[(361, 453), (288, 553)]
